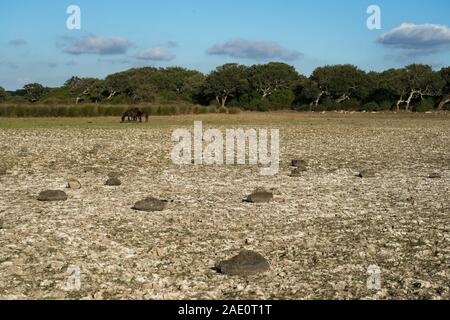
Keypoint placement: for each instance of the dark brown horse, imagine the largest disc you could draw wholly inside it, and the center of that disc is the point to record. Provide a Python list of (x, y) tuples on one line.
[(135, 114)]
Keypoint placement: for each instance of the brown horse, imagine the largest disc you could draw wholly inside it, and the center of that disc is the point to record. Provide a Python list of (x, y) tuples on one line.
[(135, 114)]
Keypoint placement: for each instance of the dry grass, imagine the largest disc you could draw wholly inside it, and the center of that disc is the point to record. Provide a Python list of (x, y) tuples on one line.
[(320, 234)]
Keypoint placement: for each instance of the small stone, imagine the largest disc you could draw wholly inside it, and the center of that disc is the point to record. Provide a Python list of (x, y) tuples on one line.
[(434, 175), (260, 196), (73, 183), (366, 173), (299, 164), (150, 204), (372, 249), (246, 263), (52, 195), (113, 182), (249, 241)]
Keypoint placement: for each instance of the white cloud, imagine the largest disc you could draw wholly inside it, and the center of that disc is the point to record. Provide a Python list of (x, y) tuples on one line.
[(257, 50), (417, 39), (155, 54), (96, 45)]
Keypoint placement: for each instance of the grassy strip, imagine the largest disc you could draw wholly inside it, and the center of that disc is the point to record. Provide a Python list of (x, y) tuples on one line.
[(100, 110)]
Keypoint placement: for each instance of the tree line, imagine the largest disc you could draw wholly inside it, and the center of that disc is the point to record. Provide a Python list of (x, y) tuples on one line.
[(262, 87)]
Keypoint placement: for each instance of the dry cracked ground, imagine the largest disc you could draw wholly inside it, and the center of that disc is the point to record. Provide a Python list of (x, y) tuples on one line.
[(321, 233)]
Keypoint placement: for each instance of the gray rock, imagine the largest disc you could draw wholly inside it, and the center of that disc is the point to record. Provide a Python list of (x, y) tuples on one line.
[(52, 195), (434, 175), (299, 163), (113, 182), (366, 173), (246, 263), (150, 204), (260, 196), (73, 183)]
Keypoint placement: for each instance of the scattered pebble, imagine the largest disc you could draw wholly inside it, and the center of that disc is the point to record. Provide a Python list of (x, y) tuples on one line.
[(300, 164), (366, 173), (113, 182), (260, 196), (150, 204), (246, 263), (73, 183), (52, 195), (434, 175)]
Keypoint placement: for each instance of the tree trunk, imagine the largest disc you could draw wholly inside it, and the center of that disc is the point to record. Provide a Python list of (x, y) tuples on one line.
[(265, 93), (223, 100), (443, 103), (316, 102), (399, 102), (343, 98), (111, 95), (411, 96)]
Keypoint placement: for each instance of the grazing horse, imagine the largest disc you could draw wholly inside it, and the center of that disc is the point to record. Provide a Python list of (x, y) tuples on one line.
[(135, 114)]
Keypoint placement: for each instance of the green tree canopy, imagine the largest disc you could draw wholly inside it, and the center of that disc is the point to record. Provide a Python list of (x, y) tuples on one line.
[(267, 79), (2, 94), (34, 91), (226, 82), (421, 81), (80, 87), (339, 81), (445, 76)]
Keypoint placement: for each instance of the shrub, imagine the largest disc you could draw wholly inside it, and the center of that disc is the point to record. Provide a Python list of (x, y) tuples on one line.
[(350, 104), (304, 107), (371, 106), (386, 106), (168, 96), (234, 110), (424, 106), (222, 110), (281, 99), (100, 110), (327, 104)]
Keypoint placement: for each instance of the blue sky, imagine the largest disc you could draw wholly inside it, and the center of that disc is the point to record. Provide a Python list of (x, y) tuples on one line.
[(36, 46)]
